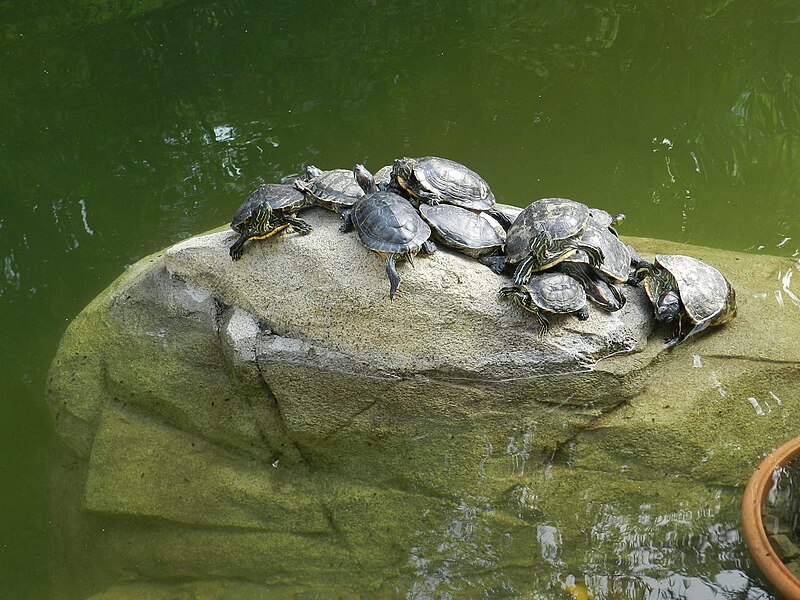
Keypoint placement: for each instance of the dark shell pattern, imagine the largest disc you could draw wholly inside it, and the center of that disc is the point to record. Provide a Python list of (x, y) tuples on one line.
[(556, 292), (389, 223), (454, 182), (616, 263), (468, 219), (704, 291), (460, 228), (561, 217), (333, 188), (278, 196)]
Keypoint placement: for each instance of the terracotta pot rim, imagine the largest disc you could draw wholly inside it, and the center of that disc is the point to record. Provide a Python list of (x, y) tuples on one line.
[(755, 536)]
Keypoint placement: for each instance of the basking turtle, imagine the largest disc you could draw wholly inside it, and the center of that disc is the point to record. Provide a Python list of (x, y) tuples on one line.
[(688, 291), (616, 264), (388, 224), (544, 234), (603, 219), (599, 281), (462, 230), (335, 190), (548, 293), (270, 208), (433, 180)]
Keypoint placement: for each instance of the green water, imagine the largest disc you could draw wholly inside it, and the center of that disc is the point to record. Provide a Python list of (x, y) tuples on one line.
[(126, 126)]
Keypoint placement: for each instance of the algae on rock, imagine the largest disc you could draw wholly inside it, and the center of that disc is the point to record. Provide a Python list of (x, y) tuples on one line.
[(279, 422)]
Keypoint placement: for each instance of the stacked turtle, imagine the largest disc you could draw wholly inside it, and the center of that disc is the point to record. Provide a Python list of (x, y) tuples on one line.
[(559, 253)]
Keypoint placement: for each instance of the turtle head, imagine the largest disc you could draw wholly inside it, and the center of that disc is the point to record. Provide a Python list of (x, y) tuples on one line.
[(365, 179), (312, 172), (668, 306), (402, 172), (252, 219), (517, 294)]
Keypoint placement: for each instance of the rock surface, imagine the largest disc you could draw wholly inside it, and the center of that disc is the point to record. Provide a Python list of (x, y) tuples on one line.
[(279, 421)]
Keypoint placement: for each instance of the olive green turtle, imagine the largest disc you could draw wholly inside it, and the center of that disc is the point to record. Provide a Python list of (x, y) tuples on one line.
[(463, 230), (433, 180), (544, 234), (555, 293), (388, 224), (270, 208), (688, 292), (335, 190)]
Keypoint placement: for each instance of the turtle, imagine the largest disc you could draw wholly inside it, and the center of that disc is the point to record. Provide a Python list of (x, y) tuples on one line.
[(335, 190), (545, 233), (549, 292), (616, 264), (689, 292), (604, 220), (599, 281), (462, 229), (270, 208), (388, 224), (433, 180)]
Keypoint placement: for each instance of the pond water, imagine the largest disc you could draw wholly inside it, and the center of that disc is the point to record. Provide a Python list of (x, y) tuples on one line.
[(127, 126)]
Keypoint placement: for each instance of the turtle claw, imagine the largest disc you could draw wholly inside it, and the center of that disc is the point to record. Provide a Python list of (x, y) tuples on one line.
[(299, 225), (237, 249)]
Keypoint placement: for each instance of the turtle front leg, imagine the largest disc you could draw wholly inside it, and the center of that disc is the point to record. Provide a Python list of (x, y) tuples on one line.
[(618, 295), (394, 276), (595, 254), (298, 224), (642, 269), (347, 218), (544, 324), (428, 247), (497, 264), (431, 198), (237, 248), (522, 275), (684, 330), (583, 313)]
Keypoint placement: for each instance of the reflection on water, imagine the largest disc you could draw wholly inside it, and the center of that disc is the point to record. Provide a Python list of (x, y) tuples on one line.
[(781, 515)]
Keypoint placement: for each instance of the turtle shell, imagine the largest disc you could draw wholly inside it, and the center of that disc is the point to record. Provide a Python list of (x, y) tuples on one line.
[(462, 229), (560, 217), (332, 189), (446, 179), (616, 263), (598, 290), (383, 176), (706, 295), (387, 222), (277, 196), (556, 292)]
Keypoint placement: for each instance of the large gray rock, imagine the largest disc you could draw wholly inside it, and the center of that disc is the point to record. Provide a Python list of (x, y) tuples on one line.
[(279, 421)]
